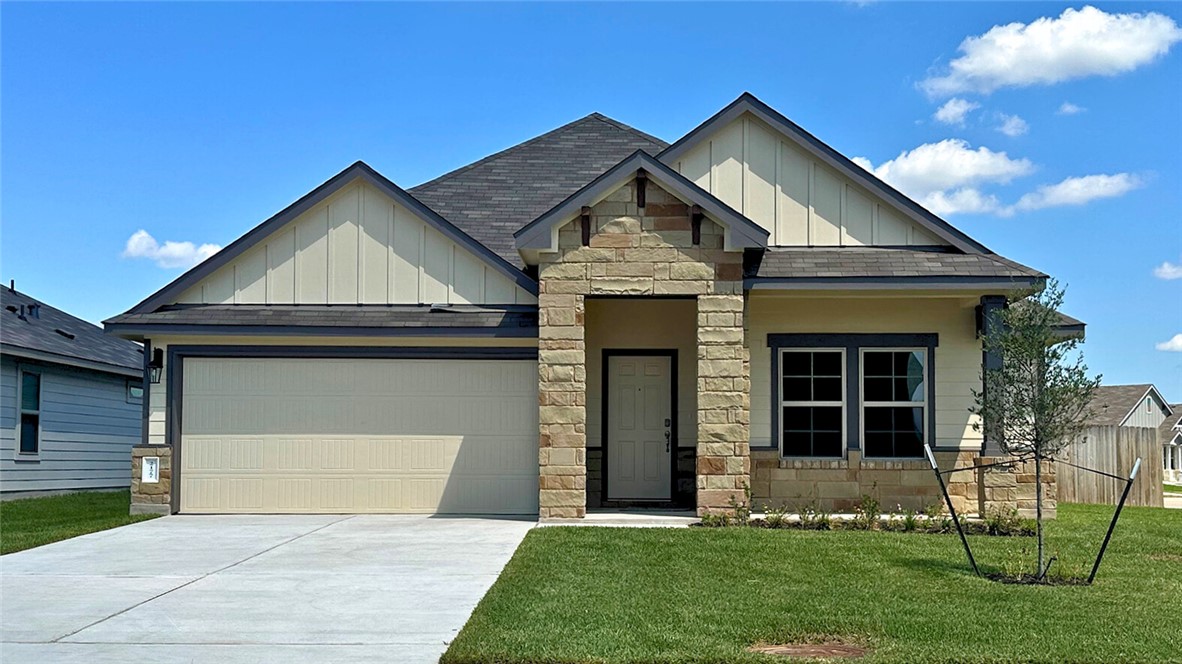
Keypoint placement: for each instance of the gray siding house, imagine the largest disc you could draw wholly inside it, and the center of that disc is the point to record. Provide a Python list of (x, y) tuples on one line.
[(1140, 405), (71, 401)]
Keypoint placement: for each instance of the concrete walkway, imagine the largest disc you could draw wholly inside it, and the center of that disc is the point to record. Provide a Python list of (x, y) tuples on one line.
[(232, 589)]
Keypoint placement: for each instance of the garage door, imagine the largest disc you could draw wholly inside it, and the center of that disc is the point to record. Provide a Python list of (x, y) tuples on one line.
[(359, 435)]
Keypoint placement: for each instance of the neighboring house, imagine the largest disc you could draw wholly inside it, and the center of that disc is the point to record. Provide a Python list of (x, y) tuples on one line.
[(1128, 406), (1170, 434), (71, 401), (591, 318)]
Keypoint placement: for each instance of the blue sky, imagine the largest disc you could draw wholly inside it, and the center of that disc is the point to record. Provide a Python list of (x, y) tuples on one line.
[(194, 122)]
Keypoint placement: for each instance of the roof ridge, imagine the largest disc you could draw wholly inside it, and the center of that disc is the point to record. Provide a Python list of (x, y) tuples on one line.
[(625, 127), (557, 130)]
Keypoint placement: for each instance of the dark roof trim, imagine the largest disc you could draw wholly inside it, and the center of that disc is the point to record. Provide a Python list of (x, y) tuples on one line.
[(889, 283), (139, 330), (742, 233), (359, 170), (65, 360), (748, 103)]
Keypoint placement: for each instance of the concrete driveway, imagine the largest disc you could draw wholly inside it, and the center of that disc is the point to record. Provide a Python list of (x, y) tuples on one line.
[(253, 589)]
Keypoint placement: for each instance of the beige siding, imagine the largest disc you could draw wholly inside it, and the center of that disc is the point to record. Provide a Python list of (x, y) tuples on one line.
[(357, 247), (800, 201), (359, 435), (958, 356)]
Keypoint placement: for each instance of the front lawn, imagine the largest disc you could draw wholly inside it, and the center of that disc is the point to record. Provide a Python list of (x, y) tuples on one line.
[(703, 595), (1172, 488), (30, 522)]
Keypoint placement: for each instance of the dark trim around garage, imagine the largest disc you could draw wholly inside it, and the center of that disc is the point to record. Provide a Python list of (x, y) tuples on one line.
[(173, 412)]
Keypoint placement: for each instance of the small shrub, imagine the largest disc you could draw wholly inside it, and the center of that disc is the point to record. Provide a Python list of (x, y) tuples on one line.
[(866, 514), (812, 518), (712, 520), (910, 521), (742, 510), (775, 517), (1007, 523)]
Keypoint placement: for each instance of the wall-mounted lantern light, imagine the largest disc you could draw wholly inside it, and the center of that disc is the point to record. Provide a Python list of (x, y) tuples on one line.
[(156, 366)]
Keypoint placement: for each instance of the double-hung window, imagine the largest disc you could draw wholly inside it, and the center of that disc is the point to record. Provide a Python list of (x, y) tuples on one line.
[(812, 403), (894, 402), (29, 436)]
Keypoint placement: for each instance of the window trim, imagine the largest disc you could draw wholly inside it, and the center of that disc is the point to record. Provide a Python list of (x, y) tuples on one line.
[(852, 343), (778, 371), (928, 396), (21, 370), (129, 386)]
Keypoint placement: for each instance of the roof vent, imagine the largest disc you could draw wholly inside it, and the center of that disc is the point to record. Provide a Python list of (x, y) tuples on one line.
[(11, 308), (63, 333), (35, 311)]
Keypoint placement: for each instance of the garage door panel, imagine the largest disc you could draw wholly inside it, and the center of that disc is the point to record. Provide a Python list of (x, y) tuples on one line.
[(307, 444)]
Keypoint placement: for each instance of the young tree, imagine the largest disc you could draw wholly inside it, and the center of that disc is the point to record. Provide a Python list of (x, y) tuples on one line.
[(1037, 401)]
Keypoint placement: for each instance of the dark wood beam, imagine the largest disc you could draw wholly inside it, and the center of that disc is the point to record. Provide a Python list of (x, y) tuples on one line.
[(696, 216), (585, 224)]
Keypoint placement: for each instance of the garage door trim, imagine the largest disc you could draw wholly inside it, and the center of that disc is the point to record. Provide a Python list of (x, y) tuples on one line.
[(176, 368)]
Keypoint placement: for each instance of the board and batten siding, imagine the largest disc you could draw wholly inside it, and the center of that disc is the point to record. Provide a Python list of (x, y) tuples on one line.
[(800, 201), (958, 355), (1150, 412), (357, 247), (87, 430)]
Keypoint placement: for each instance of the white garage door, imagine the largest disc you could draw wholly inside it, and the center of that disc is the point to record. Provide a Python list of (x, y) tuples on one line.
[(359, 435)]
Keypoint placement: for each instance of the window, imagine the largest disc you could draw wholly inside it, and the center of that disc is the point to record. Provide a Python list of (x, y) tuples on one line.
[(894, 402), (1148, 405), (30, 414), (135, 393), (812, 403), (871, 392)]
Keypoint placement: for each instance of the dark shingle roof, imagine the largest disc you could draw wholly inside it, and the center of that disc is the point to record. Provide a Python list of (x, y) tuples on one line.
[(81, 342), (1112, 403), (519, 319), (493, 197), (883, 262), (1167, 430)]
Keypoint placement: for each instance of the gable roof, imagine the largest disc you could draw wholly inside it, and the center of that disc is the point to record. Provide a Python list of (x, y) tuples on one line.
[(358, 171), (495, 196), (1172, 425), (741, 232), (748, 103), (1112, 404), (36, 336)]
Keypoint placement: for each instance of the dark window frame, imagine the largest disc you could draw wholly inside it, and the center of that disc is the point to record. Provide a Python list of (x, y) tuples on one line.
[(131, 398), (925, 404), (853, 344), (782, 403), (21, 412)]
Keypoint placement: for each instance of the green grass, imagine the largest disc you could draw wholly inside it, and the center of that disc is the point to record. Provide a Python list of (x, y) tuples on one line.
[(1172, 488), (31, 522), (704, 595)]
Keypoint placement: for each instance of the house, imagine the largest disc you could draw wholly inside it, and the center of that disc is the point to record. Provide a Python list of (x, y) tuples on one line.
[(592, 318), (1139, 405), (71, 401), (1170, 434)]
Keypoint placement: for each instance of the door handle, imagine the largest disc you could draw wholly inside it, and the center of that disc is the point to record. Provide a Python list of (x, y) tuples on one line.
[(667, 435)]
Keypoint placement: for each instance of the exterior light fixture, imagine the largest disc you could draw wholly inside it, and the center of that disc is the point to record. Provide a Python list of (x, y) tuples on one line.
[(156, 366)]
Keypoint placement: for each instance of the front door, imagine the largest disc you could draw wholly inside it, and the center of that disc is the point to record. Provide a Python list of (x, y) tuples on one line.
[(639, 427)]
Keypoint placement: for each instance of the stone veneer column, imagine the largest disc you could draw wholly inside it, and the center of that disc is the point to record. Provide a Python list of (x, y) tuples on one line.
[(724, 404), (562, 409), (151, 497)]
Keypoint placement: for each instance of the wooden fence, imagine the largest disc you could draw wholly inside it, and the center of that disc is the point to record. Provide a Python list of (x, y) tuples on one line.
[(1112, 450)]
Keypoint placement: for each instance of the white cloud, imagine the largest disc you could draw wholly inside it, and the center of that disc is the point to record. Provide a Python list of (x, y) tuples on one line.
[(954, 111), (1168, 271), (1077, 191), (1079, 43), (168, 255), (952, 165), (1068, 108), (1174, 344), (1012, 125)]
